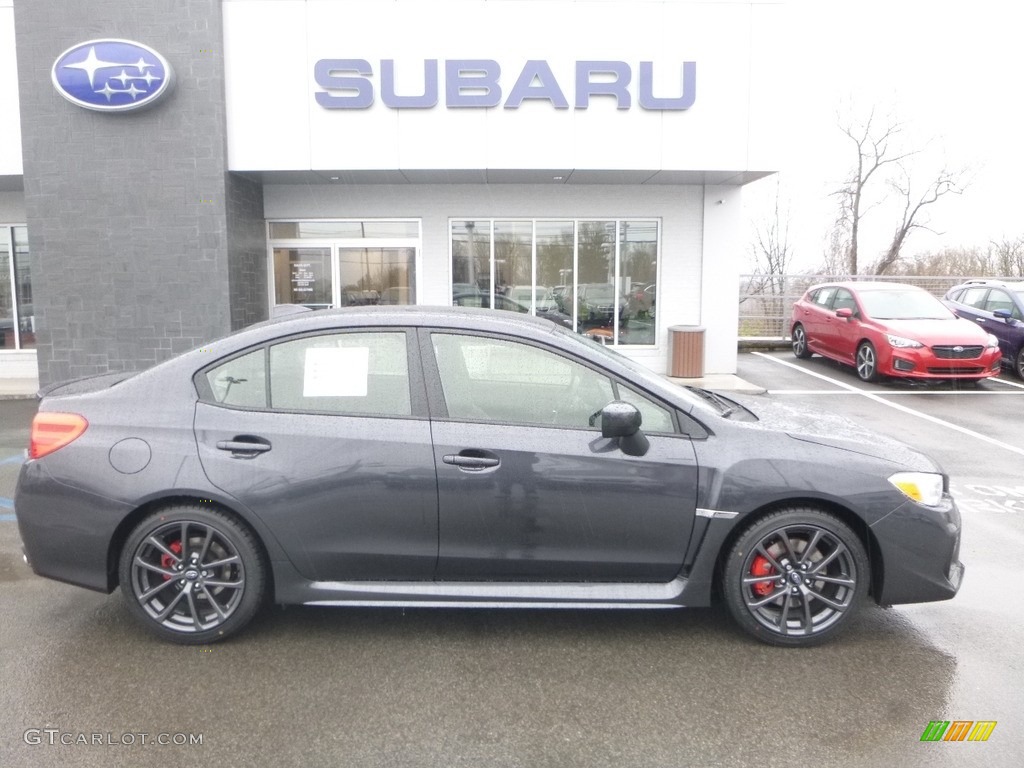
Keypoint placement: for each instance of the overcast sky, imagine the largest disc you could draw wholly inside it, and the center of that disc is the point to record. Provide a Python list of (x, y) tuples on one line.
[(951, 72)]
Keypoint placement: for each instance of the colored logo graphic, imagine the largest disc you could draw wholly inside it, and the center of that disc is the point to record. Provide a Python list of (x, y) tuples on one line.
[(112, 75), (958, 730)]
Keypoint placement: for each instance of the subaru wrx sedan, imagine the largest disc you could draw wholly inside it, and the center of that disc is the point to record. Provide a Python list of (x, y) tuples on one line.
[(888, 329), (407, 456)]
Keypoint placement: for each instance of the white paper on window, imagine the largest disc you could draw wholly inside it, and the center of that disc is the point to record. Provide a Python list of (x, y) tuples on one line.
[(336, 372)]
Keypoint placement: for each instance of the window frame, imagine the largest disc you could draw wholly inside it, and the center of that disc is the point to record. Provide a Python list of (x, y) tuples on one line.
[(417, 392), (439, 406)]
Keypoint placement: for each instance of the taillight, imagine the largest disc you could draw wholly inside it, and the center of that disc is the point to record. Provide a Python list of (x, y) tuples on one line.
[(51, 431)]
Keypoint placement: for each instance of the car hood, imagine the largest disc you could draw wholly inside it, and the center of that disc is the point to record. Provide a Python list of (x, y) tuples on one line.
[(952, 331), (828, 429)]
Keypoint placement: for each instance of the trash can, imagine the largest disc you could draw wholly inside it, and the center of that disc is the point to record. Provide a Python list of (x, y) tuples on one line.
[(686, 357)]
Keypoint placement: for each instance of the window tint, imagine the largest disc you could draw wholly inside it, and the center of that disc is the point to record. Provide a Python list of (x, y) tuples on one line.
[(998, 300), (505, 381), (823, 296), (654, 417), (241, 381), (844, 300), (974, 297), (359, 373)]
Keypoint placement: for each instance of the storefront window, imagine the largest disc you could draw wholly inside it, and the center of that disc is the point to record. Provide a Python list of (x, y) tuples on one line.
[(471, 259), (17, 316), (376, 275), (596, 277)]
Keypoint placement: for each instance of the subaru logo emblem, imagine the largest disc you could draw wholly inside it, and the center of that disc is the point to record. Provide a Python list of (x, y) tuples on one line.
[(112, 75), (958, 348)]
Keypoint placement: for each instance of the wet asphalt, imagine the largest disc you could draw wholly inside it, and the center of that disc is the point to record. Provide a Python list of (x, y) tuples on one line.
[(379, 687)]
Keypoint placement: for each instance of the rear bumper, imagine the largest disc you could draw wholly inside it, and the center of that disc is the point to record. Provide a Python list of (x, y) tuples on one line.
[(65, 532), (920, 549)]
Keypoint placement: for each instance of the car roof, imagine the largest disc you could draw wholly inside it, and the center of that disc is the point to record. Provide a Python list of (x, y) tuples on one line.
[(1013, 285), (868, 285)]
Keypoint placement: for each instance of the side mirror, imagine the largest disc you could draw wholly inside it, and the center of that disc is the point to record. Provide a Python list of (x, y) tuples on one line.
[(622, 421), (845, 313), (1004, 315)]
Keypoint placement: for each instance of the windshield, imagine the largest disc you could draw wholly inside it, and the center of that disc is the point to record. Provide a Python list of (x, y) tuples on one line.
[(903, 305), (600, 293)]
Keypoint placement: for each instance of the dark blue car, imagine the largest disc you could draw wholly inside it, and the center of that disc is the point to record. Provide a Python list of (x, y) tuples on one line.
[(998, 307)]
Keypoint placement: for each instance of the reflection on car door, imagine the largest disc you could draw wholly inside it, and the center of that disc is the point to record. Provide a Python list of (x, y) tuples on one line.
[(334, 455), (528, 490)]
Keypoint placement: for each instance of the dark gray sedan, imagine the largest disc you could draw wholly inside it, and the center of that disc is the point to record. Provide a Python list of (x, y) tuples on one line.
[(409, 456)]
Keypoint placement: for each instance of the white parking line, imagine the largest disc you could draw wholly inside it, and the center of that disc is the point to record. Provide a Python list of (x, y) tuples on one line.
[(1008, 383), (898, 407)]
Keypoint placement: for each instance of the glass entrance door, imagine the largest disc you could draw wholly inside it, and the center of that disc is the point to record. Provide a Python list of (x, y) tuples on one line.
[(344, 263), (304, 276)]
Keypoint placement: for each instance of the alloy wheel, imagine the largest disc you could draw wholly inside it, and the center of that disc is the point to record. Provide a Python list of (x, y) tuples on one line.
[(188, 576), (799, 581), (866, 362)]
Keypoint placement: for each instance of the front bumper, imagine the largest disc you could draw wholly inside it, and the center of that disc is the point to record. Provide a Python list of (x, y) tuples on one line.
[(924, 364), (920, 549)]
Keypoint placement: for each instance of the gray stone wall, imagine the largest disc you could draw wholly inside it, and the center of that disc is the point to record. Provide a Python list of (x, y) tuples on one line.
[(128, 214), (247, 251)]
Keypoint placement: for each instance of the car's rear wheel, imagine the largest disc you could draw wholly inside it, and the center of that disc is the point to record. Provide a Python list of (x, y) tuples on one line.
[(867, 362), (1018, 363), (795, 577), (800, 348), (192, 575)]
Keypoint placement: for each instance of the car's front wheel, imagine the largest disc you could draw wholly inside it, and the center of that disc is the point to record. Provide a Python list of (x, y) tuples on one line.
[(1018, 363), (867, 362), (192, 575), (800, 348), (795, 577)]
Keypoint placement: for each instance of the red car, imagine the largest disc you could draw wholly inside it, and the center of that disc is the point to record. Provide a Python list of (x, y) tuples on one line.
[(888, 329)]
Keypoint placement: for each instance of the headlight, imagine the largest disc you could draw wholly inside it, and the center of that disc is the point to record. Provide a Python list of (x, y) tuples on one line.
[(923, 487), (901, 343), (993, 342)]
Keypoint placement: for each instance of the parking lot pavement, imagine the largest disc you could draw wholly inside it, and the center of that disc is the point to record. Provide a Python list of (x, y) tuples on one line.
[(369, 687)]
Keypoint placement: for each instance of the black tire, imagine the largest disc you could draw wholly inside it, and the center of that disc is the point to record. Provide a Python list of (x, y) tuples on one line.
[(795, 577), (1018, 363), (192, 574), (866, 362), (800, 348)]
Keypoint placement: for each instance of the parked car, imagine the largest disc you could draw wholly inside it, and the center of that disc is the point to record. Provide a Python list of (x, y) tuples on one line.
[(541, 297), (595, 304), (483, 300), (997, 307), (422, 456), (888, 329)]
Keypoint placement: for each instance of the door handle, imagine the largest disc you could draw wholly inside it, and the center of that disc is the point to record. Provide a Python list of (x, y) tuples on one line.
[(980, 319), (244, 447), (473, 461)]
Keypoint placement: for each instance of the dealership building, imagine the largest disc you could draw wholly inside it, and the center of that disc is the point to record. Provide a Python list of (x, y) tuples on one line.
[(170, 172)]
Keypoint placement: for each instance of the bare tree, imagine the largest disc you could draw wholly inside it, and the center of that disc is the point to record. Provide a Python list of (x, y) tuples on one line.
[(1009, 256), (771, 249), (946, 182), (876, 149)]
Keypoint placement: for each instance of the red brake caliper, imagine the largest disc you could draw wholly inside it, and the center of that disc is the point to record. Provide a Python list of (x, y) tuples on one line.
[(166, 561), (761, 567)]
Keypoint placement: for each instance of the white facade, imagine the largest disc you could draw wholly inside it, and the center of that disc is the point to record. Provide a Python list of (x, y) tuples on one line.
[(462, 110)]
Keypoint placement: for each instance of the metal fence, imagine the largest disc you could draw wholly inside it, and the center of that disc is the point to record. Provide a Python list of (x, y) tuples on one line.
[(766, 301)]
